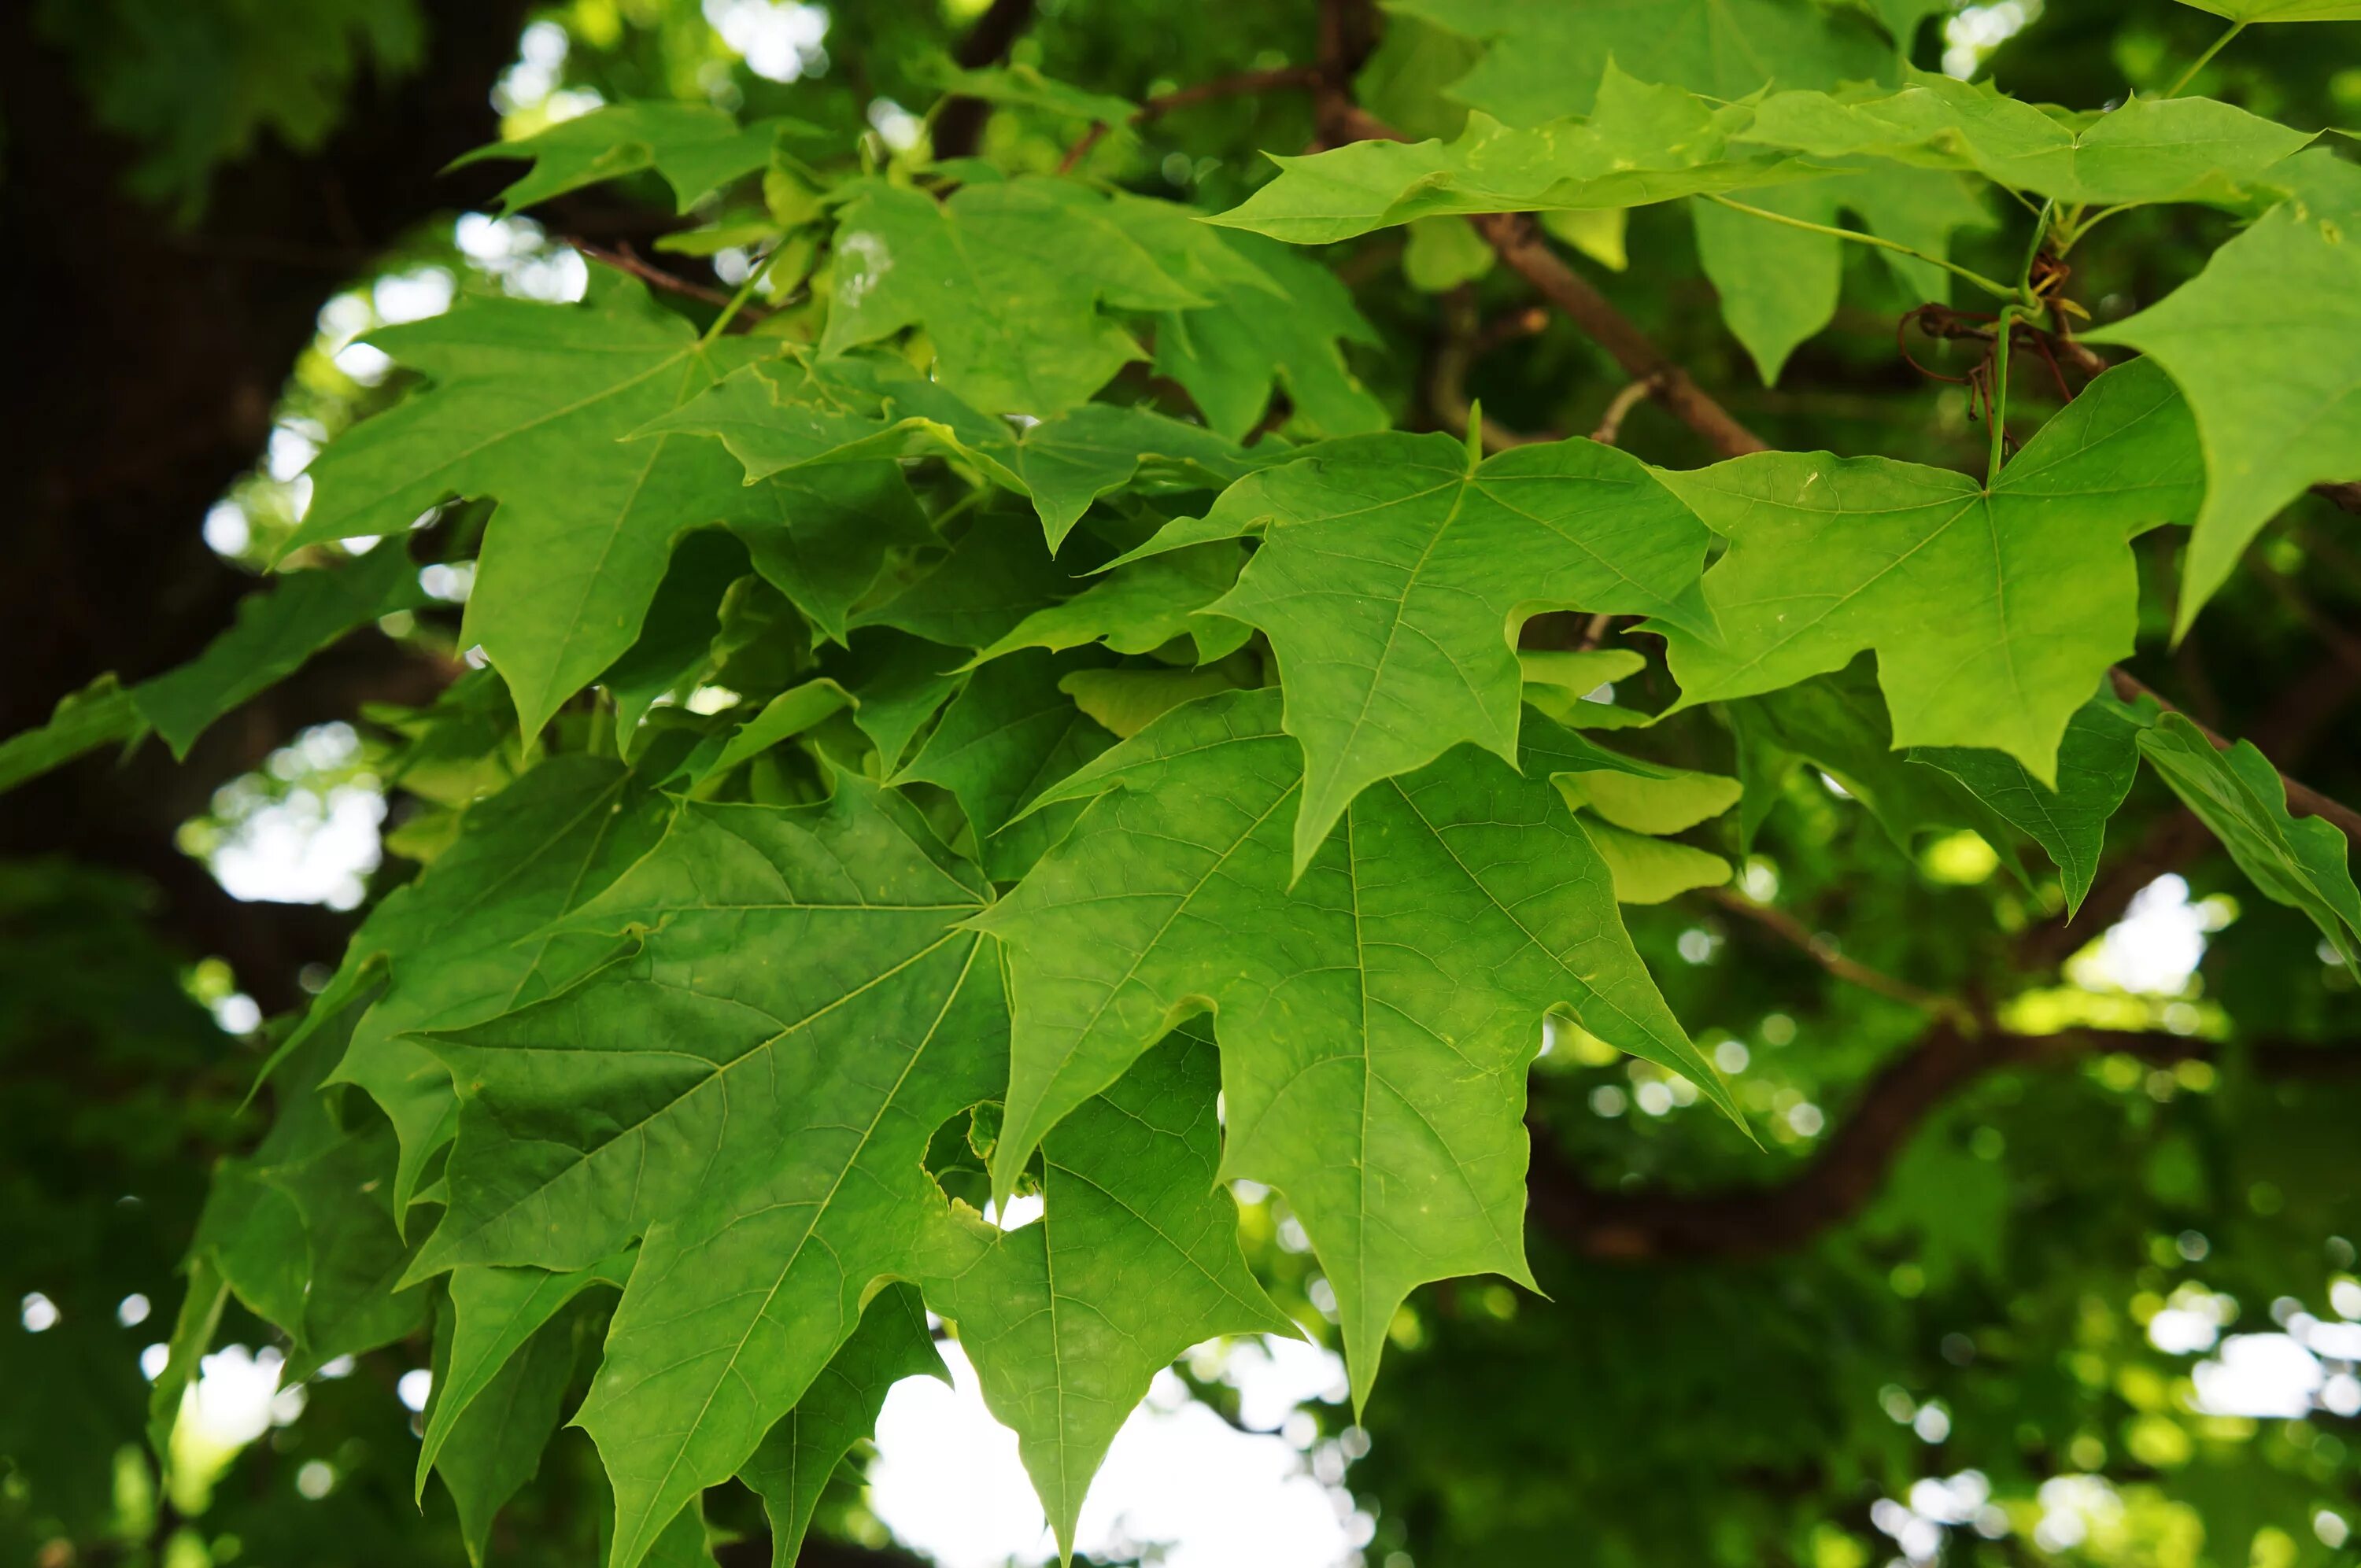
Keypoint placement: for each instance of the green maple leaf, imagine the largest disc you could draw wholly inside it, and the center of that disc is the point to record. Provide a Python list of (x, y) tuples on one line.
[(694, 147), (1545, 61), (792, 1467), (2262, 343), (1395, 571), (2281, 10), (1140, 607), (898, 682), (1625, 805), (1649, 870), (1253, 338), (302, 1230), (823, 537), (684, 1542), (82, 722), (1778, 286), (1837, 724), (675, 647), (1377, 1014), (500, 1371), (2096, 761), (1007, 280), (1643, 144), (530, 405), (761, 1122), (790, 714), (275, 634), (2150, 150), (1025, 87), (2298, 861), (1011, 733), (1561, 685), (1133, 1259), (469, 939), (1992, 611), (193, 1327), (994, 575), (492, 1316), (1127, 701), (792, 414)]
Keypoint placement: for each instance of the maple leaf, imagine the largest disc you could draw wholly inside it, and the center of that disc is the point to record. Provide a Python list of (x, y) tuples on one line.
[(500, 1371), (492, 1316), (530, 405), (2281, 10), (799, 1454), (694, 147), (791, 414), (1376, 1015), (1778, 286), (2262, 345), (469, 939), (1140, 607), (1643, 144), (2096, 761), (302, 1229), (1281, 329), (1395, 571), (1133, 1259), (275, 634), (1010, 733), (2150, 150), (761, 1124), (1544, 62), (1007, 279), (1993, 610), (2298, 861)]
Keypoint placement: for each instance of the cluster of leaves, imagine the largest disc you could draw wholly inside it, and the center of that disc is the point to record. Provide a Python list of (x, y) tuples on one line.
[(995, 713)]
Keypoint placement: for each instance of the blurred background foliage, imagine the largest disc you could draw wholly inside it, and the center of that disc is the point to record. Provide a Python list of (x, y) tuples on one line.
[(2064, 1306)]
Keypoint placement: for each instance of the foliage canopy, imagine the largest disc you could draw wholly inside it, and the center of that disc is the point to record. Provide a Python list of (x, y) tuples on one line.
[(1037, 691)]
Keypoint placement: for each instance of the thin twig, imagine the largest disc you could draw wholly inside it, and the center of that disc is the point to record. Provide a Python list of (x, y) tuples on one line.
[(1611, 423), (1998, 291), (625, 260), (1242, 84), (2301, 798), (1824, 953), (1447, 380)]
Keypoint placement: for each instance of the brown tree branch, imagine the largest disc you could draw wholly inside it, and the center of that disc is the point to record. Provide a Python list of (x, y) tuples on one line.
[(1823, 952), (1838, 1181)]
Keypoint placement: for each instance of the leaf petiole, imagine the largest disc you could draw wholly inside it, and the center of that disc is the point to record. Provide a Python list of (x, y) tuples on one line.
[(745, 291), (2004, 330), (2203, 61), (1998, 291)]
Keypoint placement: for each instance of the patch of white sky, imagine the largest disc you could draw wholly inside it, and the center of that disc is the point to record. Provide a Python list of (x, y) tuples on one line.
[(2155, 948), (1972, 33), (1180, 1483)]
